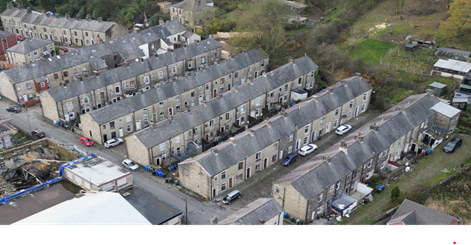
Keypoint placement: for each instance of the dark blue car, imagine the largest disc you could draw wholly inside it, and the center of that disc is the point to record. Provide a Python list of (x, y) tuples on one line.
[(290, 158)]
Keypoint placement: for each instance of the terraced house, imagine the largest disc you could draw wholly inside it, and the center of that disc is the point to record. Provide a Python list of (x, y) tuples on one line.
[(190, 12), (29, 51), (169, 99), (68, 102), (64, 30), (329, 183), (24, 83), (228, 164), (191, 131)]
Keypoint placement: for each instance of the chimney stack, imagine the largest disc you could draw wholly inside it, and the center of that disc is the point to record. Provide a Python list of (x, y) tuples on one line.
[(88, 17), (283, 113), (326, 159), (291, 60), (314, 98), (214, 150), (357, 74), (359, 138), (10, 5), (344, 82), (99, 19), (77, 16), (67, 16), (161, 21), (251, 132), (28, 10), (343, 146), (429, 91), (232, 140), (374, 127), (267, 122), (329, 89), (56, 15)]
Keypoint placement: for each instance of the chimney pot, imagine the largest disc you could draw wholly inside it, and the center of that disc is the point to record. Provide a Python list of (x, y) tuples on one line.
[(374, 127), (326, 159)]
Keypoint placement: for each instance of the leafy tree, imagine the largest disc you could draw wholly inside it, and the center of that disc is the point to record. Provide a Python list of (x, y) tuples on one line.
[(263, 24), (458, 25), (395, 193)]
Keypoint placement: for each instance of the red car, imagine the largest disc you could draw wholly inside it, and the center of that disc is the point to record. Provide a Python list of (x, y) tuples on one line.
[(86, 141), (65, 49), (20, 38)]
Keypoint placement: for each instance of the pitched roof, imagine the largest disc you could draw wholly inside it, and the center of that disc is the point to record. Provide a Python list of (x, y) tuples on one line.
[(260, 210), (127, 46), (194, 5), (230, 100), (180, 86), (296, 117), (134, 69), (101, 208), (312, 177), (452, 50), (4, 34), (29, 45), (59, 22), (412, 213)]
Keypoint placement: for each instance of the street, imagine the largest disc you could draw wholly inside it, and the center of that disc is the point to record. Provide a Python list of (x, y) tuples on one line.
[(198, 212)]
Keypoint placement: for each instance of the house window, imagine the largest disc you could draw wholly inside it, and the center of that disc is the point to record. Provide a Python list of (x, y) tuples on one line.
[(331, 188), (312, 74), (66, 74), (35, 53), (161, 105), (56, 76), (28, 85), (223, 175), (291, 136), (363, 107), (306, 129), (70, 106), (337, 112), (236, 74), (189, 64), (206, 86), (277, 189), (144, 112), (382, 165), (241, 166), (300, 80), (399, 142), (215, 178), (223, 186), (43, 84), (322, 121), (242, 108), (203, 60), (177, 139), (370, 163), (338, 185), (146, 79), (177, 99), (257, 156), (275, 147), (162, 115), (111, 125), (286, 87), (319, 198), (335, 123), (273, 158), (365, 96), (104, 126), (85, 100), (174, 69), (161, 74), (146, 122), (227, 116), (18, 88), (257, 101), (117, 90), (351, 104), (305, 140), (290, 149)]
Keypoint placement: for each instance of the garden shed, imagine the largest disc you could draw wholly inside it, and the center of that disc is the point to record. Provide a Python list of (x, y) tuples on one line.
[(439, 89)]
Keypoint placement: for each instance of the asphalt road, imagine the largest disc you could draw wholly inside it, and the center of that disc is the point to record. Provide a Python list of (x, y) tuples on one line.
[(198, 212)]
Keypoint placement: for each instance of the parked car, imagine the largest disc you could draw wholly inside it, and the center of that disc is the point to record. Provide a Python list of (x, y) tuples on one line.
[(15, 109), (19, 38), (38, 133), (306, 149), (113, 142), (343, 129), (454, 144), (65, 49), (86, 141), (130, 164), (231, 197), (290, 158)]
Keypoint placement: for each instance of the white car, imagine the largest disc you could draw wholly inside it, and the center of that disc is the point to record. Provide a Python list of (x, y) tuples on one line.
[(306, 149), (130, 164), (343, 129), (113, 142)]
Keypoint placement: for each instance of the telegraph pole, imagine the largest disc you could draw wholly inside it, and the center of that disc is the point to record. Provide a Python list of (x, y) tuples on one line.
[(186, 207), (27, 116)]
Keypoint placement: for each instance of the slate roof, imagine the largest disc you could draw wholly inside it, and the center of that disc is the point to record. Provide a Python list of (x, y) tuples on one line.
[(4, 34), (58, 22), (297, 116), (127, 46), (193, 6), (412, 213), (315, 175), (180, 86), (150, 206), (134, 69), (230, 100), (262, 208), (452, 50), (29, 45)]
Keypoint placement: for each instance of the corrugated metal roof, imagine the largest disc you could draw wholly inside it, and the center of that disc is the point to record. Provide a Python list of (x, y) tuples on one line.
[(446, 110), (455, 65)]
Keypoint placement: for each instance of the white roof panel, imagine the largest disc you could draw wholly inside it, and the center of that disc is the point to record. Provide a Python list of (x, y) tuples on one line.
[(98, 170), (447, 110), (455, 65)]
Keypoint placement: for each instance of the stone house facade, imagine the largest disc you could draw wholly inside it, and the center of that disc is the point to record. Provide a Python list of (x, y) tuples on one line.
[(92, 93), (7, 41), (30, 50), (308, 190), (220, 116), (91, 60), (188, 12), (63, 30), (228, 164)]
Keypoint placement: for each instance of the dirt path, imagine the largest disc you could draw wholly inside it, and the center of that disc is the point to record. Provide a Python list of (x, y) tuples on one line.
[(425, 174)]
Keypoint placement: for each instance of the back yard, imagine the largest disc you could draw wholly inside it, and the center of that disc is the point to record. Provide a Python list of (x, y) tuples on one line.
[(430, 171)]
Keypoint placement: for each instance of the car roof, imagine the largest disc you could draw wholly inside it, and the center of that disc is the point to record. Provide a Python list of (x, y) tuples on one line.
[(84, 138), (233, 192), (306, 147), (292, 154)]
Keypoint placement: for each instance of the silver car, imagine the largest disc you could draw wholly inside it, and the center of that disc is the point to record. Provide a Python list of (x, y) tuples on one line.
[(113, 142), (343, 129)]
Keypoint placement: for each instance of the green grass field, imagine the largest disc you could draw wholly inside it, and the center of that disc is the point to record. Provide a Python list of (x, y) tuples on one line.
[(371, 51)]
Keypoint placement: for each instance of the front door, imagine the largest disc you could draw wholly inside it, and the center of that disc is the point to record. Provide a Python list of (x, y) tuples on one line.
[(105, 137), (214, 192), (265, 163), (327, 128), (121, 132), (356, 111), (248, 173), (230, 183), (138, 125), (113, 135), (214, 93)]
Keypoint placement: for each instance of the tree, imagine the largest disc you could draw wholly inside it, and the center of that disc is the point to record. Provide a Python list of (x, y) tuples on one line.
[(458, 25), (262, 24), (395, 193)]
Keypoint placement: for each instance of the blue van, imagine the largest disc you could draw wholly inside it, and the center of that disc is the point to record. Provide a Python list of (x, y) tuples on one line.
[(290, 158)]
